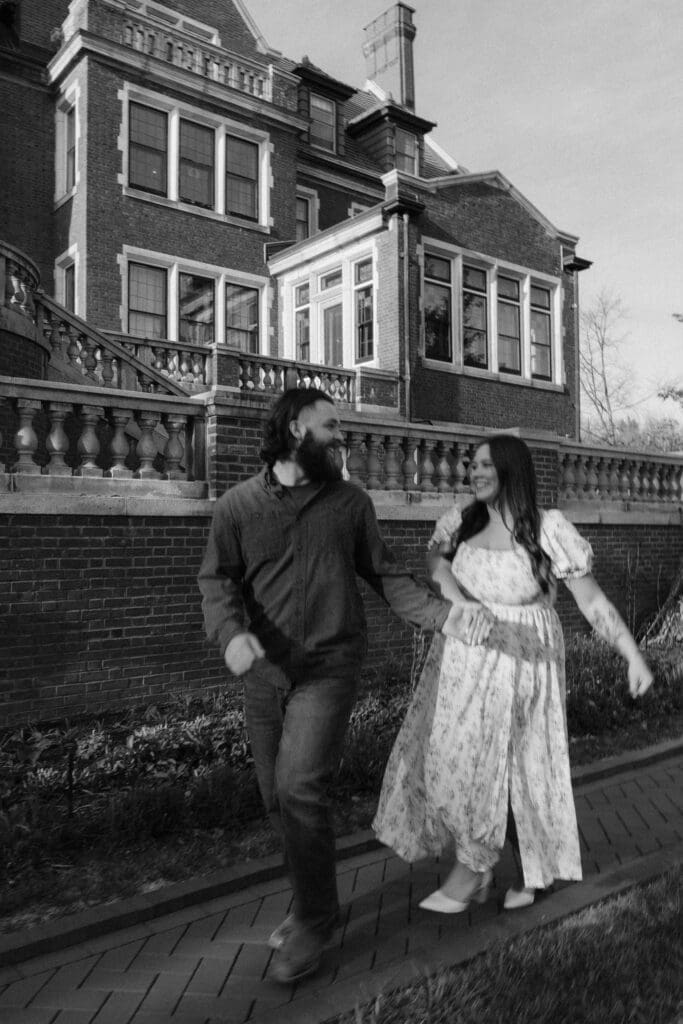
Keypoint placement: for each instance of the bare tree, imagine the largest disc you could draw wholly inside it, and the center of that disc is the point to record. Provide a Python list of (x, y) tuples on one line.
[(605, 378)]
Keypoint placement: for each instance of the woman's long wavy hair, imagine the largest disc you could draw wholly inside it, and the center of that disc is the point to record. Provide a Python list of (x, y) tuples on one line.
[(516, 497), (278, 442)]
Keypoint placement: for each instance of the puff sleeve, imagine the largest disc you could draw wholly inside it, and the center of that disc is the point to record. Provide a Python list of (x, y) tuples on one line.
[(446, 528), (571, 556)]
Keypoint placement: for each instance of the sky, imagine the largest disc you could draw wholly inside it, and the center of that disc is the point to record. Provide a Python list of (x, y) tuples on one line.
[(579, 105)]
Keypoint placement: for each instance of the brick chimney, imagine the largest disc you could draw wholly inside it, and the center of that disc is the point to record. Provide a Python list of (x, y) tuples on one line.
[(388, 50)]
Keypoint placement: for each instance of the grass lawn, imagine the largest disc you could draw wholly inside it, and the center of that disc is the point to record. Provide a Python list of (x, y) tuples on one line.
[(617, 962), (52, 887)]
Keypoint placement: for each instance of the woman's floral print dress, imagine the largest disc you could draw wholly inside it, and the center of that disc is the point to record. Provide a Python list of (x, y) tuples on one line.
[(487, 723)]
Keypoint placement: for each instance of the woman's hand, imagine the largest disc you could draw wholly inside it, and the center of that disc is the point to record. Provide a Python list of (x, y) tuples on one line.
[(640, 677), (469, 621)]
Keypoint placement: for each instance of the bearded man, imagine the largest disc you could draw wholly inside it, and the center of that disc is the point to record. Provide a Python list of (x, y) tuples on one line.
[(281, 600)]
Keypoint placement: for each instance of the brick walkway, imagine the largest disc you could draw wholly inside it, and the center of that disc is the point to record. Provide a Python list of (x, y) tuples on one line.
[(209, 962)]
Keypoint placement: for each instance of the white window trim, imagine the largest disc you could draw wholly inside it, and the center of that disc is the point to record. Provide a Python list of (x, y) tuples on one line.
[(527, 278), (69, 101), (320, 299), (310, 194), (69, 258), (222, 127), (355, 209), (176, 266)]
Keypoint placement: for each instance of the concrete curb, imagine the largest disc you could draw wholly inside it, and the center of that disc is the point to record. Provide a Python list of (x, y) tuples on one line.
[(15, 947)]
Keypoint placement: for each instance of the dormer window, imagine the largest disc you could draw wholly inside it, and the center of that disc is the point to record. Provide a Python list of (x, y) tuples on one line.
[(323, 114), (406, 151)]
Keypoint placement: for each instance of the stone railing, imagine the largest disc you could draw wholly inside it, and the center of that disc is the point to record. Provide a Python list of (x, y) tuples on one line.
[(19, 279), (86, 355), (63, 431), (586, 473), (267, 376), (186, 364), (202, 58)]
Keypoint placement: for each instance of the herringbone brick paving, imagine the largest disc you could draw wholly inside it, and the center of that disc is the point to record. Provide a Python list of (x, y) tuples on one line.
[(209, 964)]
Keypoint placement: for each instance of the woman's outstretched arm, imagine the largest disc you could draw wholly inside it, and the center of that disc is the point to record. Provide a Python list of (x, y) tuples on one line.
[(599, 611)]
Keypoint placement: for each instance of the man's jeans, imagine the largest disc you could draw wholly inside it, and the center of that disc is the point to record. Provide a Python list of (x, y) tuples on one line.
[(296, 738)]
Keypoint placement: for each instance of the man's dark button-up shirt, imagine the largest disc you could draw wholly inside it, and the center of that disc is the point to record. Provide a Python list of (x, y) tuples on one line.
[(286, 572)]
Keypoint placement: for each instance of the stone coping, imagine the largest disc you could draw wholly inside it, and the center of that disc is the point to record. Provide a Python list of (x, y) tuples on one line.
[(16, 947)]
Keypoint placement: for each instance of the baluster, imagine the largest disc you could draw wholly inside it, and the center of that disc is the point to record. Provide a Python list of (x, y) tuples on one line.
[(591, 484), (624, 480), (73, 350), (355, 461), (603, 478), (613, 480), (120, 445), (645, 480), (107, 368), (426, 467), (677, 484), (160, 359), (374, 466), (174, 450), (409, 465), (146, 447), (443, 468), (655, 484), (567, 480), (665, 487), (55, 336), (88, 446), (26, 438), (581, 477), (198, 369), (392, 465), (89, 360), (634, 479), (57, 442), (459, 468), (184, 366)]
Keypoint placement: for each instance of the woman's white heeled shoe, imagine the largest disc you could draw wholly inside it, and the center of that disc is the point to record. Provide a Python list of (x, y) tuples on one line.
[(516, 899), (443, 904)]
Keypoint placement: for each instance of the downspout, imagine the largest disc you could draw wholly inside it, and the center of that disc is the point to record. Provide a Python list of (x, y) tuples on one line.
[(577, 368), (406, 318)]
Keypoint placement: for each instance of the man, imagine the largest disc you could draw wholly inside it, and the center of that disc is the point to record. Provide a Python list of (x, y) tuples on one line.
[(281, 599)]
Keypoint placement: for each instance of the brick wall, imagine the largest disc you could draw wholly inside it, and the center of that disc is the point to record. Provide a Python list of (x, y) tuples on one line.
[(104, 611)]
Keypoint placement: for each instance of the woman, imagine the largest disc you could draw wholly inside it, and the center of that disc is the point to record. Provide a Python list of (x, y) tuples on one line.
[(485, 736)]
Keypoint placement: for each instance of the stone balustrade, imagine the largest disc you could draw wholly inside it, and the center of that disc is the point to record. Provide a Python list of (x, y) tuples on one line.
[(586, 473), (187, 364), (201, 58), (65, 431), (268, 376), (19, 279)]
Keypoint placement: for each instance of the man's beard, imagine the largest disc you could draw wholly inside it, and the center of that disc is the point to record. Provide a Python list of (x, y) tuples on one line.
[(319, 462)]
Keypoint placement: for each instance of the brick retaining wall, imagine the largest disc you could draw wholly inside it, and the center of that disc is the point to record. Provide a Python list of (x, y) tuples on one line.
[(104, 609)]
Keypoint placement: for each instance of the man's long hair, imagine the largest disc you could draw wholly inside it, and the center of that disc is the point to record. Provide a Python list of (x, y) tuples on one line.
[(517, 481), (278, 442)]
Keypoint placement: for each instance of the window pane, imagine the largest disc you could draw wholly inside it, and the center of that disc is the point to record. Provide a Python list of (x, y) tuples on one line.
[(241, 178), (437, 302), (509, 346), (302, 219), (146, 301), (474, 278), (322, 122), (438, 268), (302, 326), (195, 309), (334, 339), (475, 337), (147, 151), (196, 164), (302, 294), (70, 288), (331, 280), (364, 323), (508, 288), (406, 151), (363, 271), (540, 297), (242, 318), (541, 362), (70, 149)]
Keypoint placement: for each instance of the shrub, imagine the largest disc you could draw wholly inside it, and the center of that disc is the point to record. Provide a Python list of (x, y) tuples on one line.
[(147, 813)]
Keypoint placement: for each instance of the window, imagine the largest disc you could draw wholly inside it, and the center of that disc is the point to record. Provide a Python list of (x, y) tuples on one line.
[(242, 318), (148, 149), (303, 218), (302, 323), (406, 151), (241, 187), (333, 334), (323, 122), (331, 280), (70, 288), (146, 301), (474, 317), (363, 305), (541, 334), (509, 336), (70, 164), (504, 321), (196, 161), (195, 309), (437, 309)]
